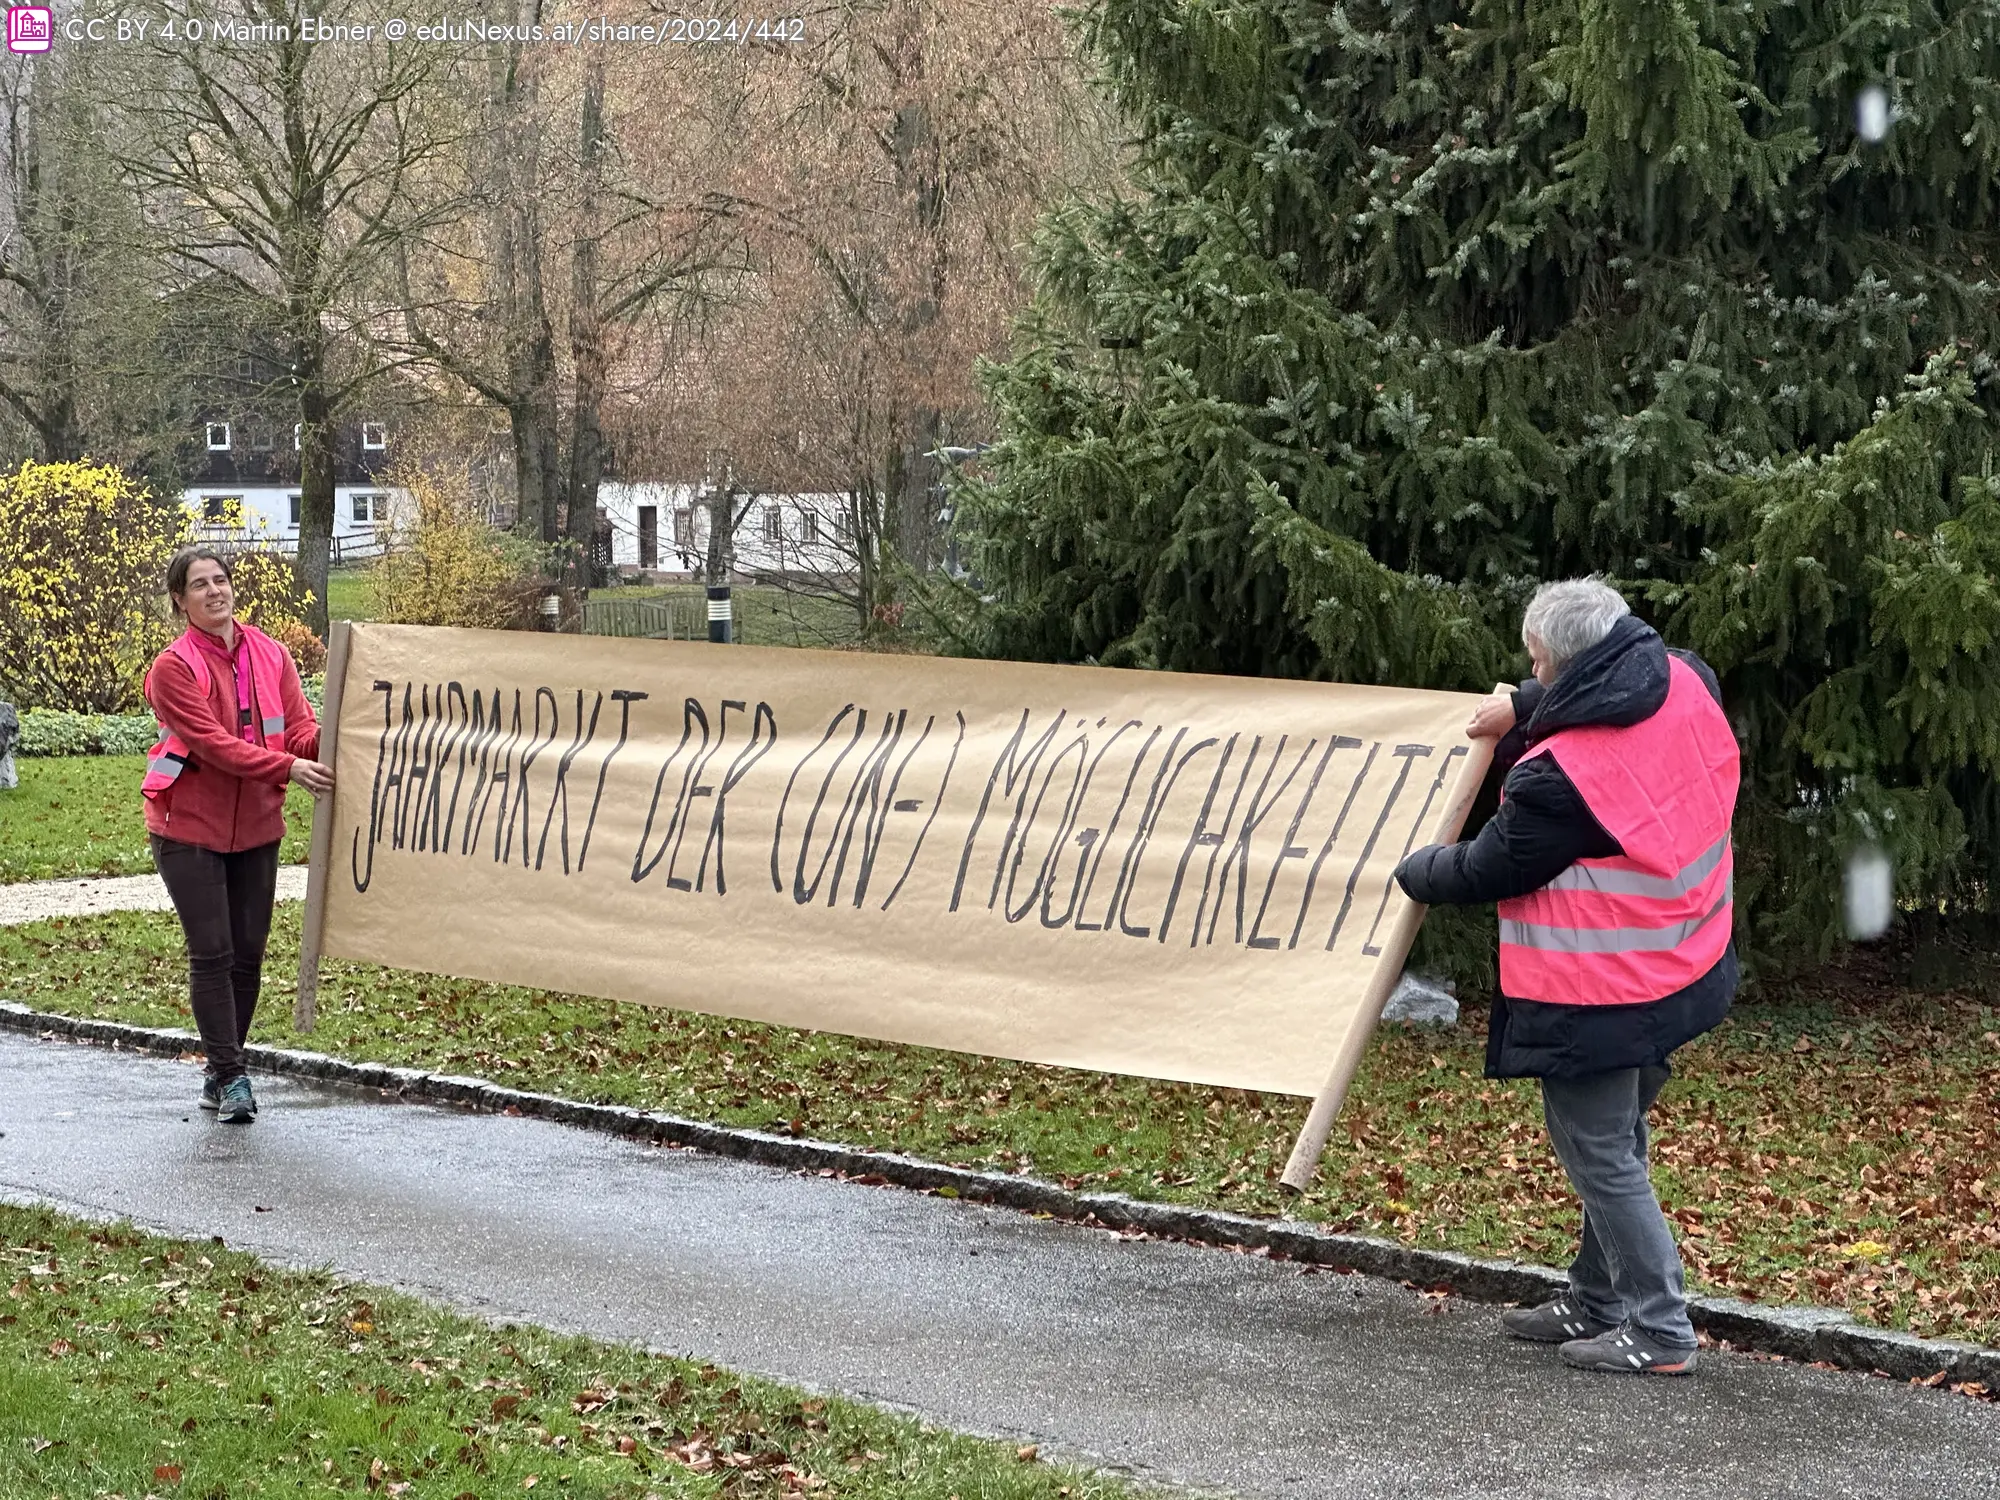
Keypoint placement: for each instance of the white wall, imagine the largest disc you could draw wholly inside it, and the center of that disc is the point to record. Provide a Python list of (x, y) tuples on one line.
[(268, 509), (793, 550)]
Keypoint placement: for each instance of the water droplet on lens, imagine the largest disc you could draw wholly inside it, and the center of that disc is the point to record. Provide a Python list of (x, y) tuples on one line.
[(1871, 113)]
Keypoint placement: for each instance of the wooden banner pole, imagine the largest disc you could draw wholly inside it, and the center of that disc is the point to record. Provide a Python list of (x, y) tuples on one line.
[(1311, 1143), (320, 859)]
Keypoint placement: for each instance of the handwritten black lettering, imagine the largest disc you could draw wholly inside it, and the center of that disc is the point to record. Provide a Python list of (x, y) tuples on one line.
[(692, 714), (1201, 836), (1237, 864), (759, 746), (1332, 838), (1128, 875), (937, 801), (362, 877), (802, 893), (1111, 832), (1008, 770), (864, 808), (1423, 816), (1409, 755), (624, 698), (579, 739), (1087, 840), (1291, 848), (1081, 746), (518, 814)]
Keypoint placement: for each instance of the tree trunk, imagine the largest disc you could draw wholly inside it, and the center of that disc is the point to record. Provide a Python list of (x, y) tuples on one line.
[(586, 334), (315, 471), (511, 166), (721, 560)]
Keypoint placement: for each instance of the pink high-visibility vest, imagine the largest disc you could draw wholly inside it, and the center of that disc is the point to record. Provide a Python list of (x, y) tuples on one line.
[(169, 757), (1652, 921)]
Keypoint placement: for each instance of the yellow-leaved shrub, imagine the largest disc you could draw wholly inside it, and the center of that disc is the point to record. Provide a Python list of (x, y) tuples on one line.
[(83, 552), (445, 565)]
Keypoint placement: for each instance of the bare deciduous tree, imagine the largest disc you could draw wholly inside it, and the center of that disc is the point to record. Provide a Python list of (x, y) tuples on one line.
[(285, 172), (895, 166), (570, 172), (79, 321)]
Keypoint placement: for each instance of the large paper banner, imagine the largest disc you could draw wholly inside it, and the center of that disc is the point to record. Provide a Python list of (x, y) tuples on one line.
[(1153, 873)]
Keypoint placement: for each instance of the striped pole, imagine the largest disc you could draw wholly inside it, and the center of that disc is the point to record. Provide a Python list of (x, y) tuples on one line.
[(719, 614)]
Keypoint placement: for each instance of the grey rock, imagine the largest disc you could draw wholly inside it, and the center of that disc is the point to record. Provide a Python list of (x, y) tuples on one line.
[(1422, 1002), (10, 736)]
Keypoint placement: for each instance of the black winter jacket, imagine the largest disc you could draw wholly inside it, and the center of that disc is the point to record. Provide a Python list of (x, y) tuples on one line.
[(1541, 829)]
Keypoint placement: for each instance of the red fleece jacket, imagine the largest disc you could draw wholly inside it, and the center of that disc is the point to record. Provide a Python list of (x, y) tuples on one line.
[(231, 797)]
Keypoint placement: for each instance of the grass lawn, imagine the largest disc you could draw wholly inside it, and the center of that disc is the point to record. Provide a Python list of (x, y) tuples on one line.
[(348, 595), (82, 815), (765, 616), (1832, 1145), (143, 1366)]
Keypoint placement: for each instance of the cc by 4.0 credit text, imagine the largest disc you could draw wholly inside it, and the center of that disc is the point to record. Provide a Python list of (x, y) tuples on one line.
[(224, 30)]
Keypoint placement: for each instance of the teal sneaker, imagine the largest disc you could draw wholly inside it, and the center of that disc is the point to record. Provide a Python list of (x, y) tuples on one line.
[(238, 1104), (211, 1093)]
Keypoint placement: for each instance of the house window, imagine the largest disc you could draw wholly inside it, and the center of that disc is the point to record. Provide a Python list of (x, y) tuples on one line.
[(370, 507), (297, 428), (774, 524), (221, 510), (244, 368), (808, 525), (684, 527), (374, 436), (295, 501), (263, 440), (218, 437)]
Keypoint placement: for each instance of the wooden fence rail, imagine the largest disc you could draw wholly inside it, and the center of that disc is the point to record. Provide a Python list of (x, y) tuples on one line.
[(673, 618)]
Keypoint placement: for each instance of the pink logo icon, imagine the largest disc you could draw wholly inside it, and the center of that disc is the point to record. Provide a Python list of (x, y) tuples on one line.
[(30, 28)]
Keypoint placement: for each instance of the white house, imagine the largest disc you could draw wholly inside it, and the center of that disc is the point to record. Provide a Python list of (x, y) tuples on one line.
[(664, 527), (250, 470)]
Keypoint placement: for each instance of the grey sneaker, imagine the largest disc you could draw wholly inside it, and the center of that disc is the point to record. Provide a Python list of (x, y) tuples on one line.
[(1627, 1351), (1554, 1322), (211, 1093), (238, 1105)]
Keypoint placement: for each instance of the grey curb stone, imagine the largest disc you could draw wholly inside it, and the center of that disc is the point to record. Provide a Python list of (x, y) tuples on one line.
[(1824, 1335)]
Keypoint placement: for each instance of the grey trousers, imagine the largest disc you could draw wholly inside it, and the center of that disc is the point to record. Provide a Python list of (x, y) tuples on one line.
[(1627, 1268)]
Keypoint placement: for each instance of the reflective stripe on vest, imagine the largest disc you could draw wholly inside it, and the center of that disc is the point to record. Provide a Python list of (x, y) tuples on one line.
[(1654, 919), (1611, 939), (164, 767), (267, 668)]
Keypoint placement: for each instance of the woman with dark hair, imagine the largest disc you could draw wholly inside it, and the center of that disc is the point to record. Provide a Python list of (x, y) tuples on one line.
[(235, 729)]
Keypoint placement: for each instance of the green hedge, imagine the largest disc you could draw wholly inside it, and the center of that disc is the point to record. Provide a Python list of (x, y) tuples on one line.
[(51, 731)]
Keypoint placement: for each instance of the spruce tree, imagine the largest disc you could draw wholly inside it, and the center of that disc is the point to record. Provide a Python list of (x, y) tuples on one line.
[(1410, 306)]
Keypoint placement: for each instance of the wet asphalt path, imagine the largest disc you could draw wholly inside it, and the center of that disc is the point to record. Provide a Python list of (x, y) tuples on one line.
[(1190, 1366)]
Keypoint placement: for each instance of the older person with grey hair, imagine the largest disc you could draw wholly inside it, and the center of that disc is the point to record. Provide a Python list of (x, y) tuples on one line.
[(1610, 860)]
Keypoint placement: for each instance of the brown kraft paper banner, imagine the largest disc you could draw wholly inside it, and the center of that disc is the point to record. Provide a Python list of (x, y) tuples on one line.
[(1160, 874)]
